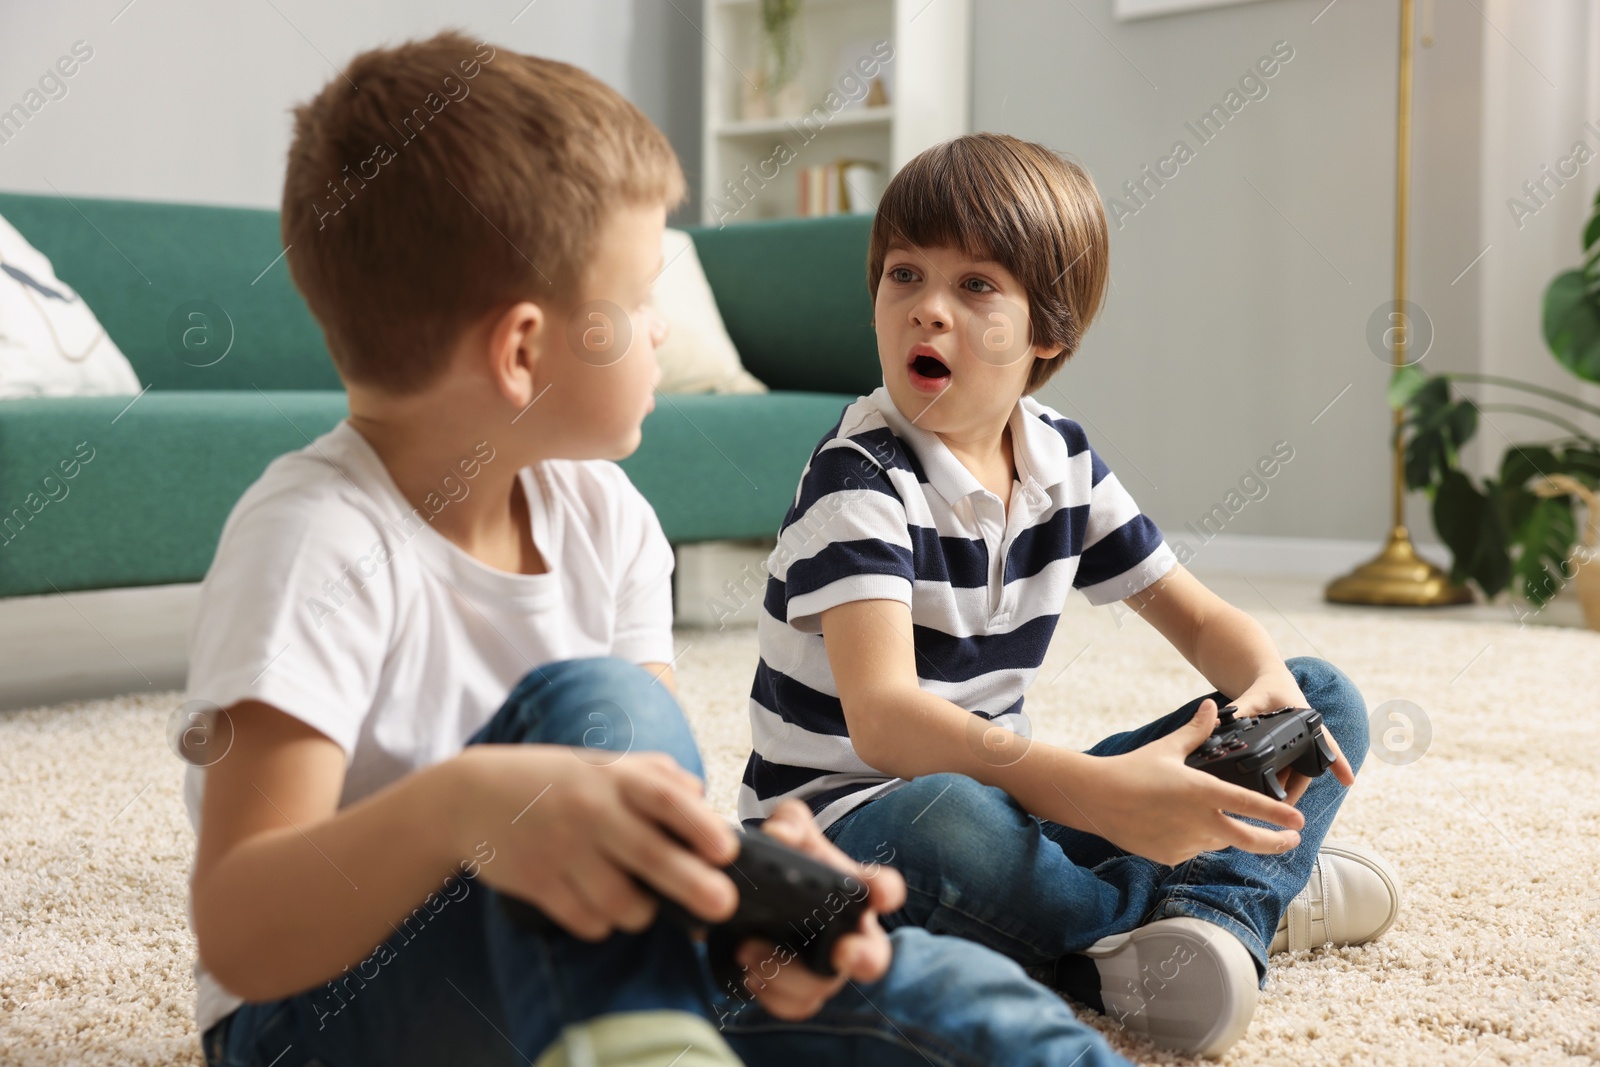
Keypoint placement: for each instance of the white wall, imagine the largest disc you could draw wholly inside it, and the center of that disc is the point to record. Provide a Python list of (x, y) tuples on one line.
[(189, 100), (1542, 95)]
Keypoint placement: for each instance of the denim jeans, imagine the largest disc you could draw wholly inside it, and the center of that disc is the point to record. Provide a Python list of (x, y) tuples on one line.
[(465, 984), (980, 867)]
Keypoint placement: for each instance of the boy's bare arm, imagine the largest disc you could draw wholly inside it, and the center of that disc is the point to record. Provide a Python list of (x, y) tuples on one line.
[(288, 889), (1232, 650), (1147, 801), (285, 895), (1223, 643)]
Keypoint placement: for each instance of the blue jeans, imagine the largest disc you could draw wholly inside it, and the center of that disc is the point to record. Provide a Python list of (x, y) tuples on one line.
[(462, 983), (978, 866)]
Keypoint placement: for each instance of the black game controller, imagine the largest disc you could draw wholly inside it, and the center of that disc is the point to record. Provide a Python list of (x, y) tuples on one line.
[(1250, 751), (785, 897)]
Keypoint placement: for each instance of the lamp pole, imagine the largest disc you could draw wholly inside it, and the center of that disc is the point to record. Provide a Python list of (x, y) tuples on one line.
[(1397, 576)]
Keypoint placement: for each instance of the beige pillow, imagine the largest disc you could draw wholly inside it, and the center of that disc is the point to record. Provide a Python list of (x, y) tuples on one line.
[(51, 344), (698, 355)]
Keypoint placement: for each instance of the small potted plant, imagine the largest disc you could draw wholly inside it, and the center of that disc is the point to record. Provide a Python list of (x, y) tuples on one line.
[(1586, 558), (773, 89), (1517, 524)]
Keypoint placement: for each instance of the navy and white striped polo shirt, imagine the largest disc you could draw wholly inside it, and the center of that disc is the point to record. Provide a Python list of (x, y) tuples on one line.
[(884, 511)]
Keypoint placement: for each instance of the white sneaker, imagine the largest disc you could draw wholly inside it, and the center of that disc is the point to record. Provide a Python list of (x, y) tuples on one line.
[(1182, 983), (1353, 896)]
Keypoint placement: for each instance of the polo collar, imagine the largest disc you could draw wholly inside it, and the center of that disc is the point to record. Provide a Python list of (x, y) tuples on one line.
[(1045, 452), (1038, 452)]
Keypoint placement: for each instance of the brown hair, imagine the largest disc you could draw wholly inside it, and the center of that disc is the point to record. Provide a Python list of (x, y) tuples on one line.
[(1020, 204), (435, 181)]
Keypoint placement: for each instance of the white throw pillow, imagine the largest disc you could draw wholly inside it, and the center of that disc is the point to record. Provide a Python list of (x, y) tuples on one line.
[(698, 355), (50, 342)]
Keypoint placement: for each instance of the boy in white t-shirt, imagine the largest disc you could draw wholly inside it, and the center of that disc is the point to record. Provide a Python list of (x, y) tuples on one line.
[(438, 642)]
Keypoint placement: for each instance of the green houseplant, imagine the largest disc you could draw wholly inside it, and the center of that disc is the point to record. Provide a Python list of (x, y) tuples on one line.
[(1518, 524), (770, 88), (780, 46)]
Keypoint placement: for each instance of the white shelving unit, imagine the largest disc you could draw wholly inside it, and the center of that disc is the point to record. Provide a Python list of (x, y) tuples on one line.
[(750, 165)]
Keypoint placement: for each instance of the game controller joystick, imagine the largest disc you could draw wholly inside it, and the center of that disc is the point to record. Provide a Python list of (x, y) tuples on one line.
[(785, 897), (1251, 750)]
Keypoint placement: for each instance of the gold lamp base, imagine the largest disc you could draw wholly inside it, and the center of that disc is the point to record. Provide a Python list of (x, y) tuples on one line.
[(1397, 576)]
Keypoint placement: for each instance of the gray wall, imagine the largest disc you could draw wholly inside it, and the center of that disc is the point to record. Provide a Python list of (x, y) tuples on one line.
[(664, 81), (189, 100), (1242, 290)]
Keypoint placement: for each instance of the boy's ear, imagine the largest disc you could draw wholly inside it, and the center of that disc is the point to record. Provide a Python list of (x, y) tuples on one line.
[(519, 337)]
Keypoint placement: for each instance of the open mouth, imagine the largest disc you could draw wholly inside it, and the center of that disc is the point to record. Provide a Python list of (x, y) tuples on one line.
[(927, 371)]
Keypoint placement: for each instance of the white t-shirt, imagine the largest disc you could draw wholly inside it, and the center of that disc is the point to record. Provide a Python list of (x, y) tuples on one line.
[(334, 600)]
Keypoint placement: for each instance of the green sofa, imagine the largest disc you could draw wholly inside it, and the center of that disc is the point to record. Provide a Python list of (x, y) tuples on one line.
[(161, 475)]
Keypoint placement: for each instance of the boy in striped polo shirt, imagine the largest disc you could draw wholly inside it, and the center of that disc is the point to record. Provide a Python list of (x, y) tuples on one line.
[(916, 584)]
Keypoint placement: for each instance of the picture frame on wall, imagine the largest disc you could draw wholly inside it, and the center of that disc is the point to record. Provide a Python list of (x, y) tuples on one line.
[(1126, 10)]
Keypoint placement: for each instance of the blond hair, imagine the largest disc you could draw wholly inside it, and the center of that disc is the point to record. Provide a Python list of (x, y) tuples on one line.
[(435, 181)]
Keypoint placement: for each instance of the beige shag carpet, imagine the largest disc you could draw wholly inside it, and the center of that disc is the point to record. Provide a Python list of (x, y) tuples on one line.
[(1495, 831)]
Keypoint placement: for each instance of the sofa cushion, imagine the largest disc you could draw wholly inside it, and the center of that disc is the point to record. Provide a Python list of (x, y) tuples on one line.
[(793, 294), (727, 466), (97, 494), (697, 355), (147, 270), (93, 496)]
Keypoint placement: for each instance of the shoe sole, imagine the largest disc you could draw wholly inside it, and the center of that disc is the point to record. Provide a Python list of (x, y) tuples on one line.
[(1182, 983)]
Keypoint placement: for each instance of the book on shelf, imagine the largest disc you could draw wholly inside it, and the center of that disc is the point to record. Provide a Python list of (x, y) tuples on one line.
[(845, 186)]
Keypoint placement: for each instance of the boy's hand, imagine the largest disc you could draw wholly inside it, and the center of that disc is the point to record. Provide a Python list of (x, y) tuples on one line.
[(1274, 691), (572, 828), (1149, 802), (795, 992)]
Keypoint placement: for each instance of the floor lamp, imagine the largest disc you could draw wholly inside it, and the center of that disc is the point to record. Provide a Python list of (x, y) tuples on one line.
[(1397, 575)]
